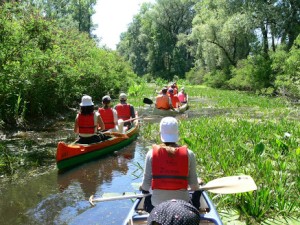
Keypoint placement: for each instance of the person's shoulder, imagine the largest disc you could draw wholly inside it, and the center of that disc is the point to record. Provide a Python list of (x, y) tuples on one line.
[(190, 152)]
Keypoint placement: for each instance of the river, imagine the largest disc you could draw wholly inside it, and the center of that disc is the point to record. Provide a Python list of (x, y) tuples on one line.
[(62, 198), (47, 196)]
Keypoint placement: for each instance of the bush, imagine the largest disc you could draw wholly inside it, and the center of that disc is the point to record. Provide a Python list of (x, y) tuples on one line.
[(215, 79), (45, 68), (251, 74), (287, 66)]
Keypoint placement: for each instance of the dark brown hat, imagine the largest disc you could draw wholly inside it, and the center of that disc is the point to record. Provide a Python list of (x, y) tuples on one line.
[(174, 212)]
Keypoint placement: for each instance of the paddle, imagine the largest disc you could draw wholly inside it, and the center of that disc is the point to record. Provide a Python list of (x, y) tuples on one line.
[(224, 185), (92, 199), (148, 101), (124, 121)]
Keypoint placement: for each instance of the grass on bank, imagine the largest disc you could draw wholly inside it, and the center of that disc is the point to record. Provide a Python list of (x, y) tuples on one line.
[(263, 141)]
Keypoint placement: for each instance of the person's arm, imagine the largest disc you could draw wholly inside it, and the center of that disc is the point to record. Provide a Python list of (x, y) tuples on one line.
[(170, 103), (132, 112), (147, 178), (100, 123), (115, 116), (192, 178), (76, 127)]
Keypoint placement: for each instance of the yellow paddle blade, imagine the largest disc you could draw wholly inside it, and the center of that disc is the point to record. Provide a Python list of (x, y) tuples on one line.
[(231, 185)]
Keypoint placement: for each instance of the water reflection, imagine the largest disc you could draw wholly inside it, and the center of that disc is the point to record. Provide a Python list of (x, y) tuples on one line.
[(69, 205), (95, 173)]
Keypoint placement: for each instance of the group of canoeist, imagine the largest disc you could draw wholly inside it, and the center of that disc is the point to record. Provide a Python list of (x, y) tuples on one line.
[(170, 98), (90, 123), (170, 169)]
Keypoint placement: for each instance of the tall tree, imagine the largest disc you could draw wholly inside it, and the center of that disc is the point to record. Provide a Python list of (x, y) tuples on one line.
[(68, 12), (222, 32), (155, 33)]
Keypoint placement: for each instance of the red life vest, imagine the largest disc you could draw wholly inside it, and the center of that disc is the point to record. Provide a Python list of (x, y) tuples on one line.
[(162, 102), (123, 111), (170, 172), (107, 117), (86, 123), (175, 101)]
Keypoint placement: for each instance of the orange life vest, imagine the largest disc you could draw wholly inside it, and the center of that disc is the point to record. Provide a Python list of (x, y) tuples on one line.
[(162, 102), (86, 123), (107, 117), (169, 172), (123, 111)]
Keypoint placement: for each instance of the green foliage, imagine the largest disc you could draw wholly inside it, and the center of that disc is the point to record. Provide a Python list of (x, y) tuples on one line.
[(215, 79), (151, 41), (287, 66), (233, 132), (45, 69), (195, 76), (251, 74)]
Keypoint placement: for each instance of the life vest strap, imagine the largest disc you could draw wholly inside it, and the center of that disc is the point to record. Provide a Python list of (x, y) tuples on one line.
[(170, 177)]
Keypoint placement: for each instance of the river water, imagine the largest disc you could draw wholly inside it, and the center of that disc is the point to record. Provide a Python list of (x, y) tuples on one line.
[(62, 198)]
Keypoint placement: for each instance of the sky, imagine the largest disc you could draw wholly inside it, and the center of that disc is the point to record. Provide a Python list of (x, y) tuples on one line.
[(113, 17)]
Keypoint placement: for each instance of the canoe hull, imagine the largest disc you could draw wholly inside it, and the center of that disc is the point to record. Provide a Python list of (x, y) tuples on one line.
[(70, 155), (208, 212), (163, 112)]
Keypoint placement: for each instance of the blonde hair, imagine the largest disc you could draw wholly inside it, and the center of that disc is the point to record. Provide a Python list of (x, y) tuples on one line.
[(170, 148)]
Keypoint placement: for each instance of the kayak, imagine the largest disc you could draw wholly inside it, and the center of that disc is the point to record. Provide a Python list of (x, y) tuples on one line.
[(169, 112), (70, 155), (208, 213)]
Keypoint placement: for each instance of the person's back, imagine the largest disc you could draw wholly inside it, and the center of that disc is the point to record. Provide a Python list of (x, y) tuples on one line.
[(174, 98), (169, 168), (124, 110), (163, 101), (87, 121), (182, 96), (108, 114)]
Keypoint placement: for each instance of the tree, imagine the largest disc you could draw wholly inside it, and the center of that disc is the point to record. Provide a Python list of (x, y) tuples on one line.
[(68, 12), (155, 33)]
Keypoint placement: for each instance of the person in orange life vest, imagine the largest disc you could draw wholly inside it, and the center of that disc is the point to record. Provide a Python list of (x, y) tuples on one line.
[(108, 115), (124, 110), (163, 101), (174, 98), (182, 96), (87, 121), (169, 168)]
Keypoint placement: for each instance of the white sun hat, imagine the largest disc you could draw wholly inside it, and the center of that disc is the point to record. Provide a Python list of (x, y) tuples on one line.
[(169, 130), (86, 101), (123, 96)]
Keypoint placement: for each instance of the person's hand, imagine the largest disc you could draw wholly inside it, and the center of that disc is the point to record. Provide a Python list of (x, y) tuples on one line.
[(143, 191), (200, 181)]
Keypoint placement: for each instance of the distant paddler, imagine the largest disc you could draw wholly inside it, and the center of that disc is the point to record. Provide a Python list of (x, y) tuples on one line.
[(163, 101)]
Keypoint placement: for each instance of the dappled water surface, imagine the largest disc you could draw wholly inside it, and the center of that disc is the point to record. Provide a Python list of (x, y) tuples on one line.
[(62, 198)]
